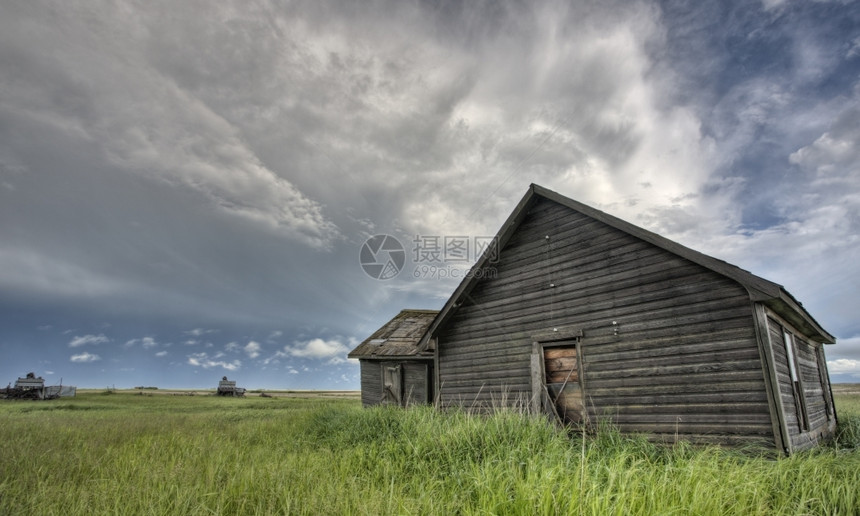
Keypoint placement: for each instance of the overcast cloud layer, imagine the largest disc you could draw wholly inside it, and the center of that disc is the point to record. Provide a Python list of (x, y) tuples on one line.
[(185, 186)]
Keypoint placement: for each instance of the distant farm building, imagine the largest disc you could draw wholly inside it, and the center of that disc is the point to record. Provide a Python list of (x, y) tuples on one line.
[(393, 369), (34, 388), (588, 317), (228, 388)]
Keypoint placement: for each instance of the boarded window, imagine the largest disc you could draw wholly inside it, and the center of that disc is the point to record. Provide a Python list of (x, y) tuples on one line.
[(815, 392), (796, 380), (825, 384)]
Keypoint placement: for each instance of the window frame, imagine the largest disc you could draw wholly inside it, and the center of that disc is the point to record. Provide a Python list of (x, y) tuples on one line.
[(796, 379)]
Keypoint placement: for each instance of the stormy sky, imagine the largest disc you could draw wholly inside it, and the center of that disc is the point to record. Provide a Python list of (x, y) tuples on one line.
[(185, 187)]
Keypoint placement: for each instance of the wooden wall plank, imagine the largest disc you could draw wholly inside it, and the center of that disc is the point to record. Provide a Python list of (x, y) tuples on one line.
[(371, 383)]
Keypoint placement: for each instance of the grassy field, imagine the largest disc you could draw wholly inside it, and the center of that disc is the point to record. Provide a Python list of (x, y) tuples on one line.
[(124, 453)]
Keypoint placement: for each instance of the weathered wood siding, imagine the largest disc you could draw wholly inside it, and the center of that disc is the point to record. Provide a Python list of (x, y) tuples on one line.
[(415, 383), (416, 376), (783, 379), (815, 388), (371, 382), (682, 360), (812, 391)]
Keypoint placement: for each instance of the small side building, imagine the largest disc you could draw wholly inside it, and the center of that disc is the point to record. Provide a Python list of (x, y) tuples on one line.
[(393, 369)]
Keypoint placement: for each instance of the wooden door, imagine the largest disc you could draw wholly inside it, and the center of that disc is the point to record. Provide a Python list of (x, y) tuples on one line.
[(392, 383), (561, 368)]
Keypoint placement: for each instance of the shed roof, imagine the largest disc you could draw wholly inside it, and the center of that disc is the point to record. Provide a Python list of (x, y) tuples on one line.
[(761, 290), (398, 337)]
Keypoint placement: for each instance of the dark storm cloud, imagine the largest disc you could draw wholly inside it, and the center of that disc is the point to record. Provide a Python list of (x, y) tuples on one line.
[(205, 174)]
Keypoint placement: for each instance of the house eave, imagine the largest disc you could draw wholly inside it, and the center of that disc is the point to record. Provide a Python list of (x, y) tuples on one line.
[(422, 356)]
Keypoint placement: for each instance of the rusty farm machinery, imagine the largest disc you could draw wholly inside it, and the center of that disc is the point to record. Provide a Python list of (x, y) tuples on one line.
[(32, 387)]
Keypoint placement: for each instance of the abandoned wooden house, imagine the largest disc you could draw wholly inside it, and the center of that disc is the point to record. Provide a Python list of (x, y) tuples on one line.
[(589, 317), (393, 369)]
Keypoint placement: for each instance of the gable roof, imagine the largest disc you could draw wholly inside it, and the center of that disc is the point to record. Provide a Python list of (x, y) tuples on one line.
[(398, 337), (761, 290)]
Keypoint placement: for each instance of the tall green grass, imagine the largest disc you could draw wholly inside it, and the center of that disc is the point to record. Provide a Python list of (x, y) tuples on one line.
[(126, 454)]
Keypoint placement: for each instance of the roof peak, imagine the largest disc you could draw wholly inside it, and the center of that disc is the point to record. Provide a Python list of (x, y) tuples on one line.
[(760, 289)]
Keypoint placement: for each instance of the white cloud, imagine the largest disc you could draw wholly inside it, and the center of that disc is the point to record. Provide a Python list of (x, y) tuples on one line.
[(274, 359), (147, 121), (601, 133), (844, 353), (203, 360), (199, 332), (253, 349), (844, 366), (772, 4), (855, 48), (161, 354), (318, 348), (84, 357), (835, 155), (88, 339), (146, 342)]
